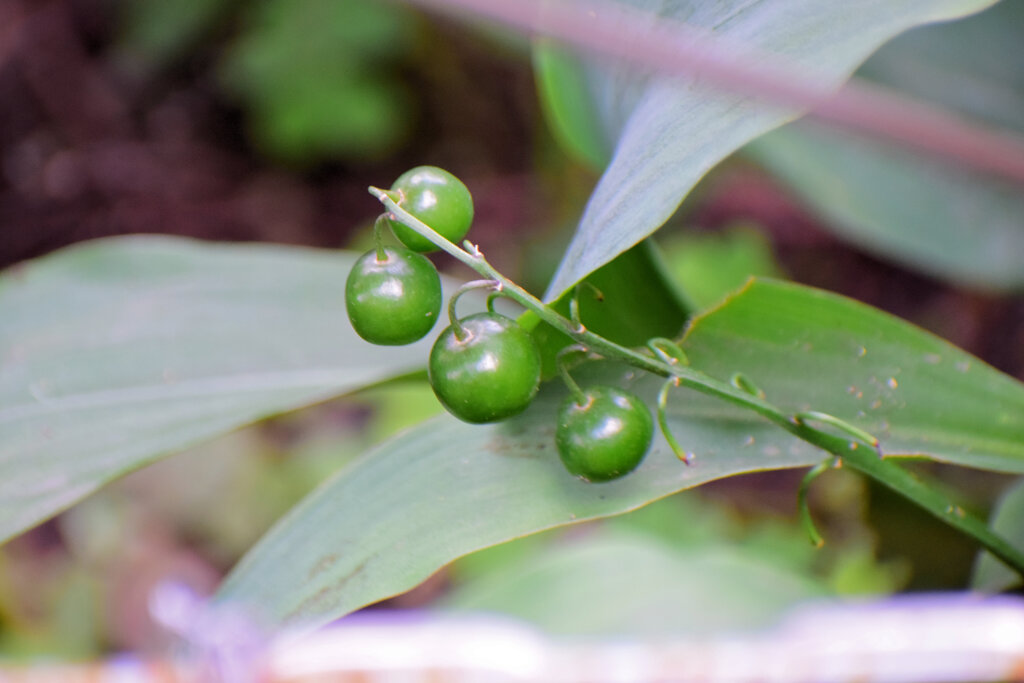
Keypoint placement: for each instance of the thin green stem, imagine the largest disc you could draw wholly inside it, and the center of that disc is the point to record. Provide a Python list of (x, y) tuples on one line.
[(804, 507), (562, 362), (863, 460), (574, 309), (379, 226)]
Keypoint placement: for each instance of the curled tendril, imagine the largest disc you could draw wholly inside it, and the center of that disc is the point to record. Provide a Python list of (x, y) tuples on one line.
[(856, 432), (497, 293), (663, 421), (802, 504), (744, 383), (574, 303), (667, 351), (494, 285)]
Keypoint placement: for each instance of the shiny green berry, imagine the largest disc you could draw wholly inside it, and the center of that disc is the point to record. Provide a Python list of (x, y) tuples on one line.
[(604, 434), (393, 300), (437, 198), (484, 369)]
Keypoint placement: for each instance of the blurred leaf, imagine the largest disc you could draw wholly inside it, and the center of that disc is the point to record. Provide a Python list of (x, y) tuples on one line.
[(615, 583), (1008, 519), (687, 523), (683, 520), (846, 563), (49, 607), (483, 563), (947, 221), (669, 132), (568, 103), (940, 220), (857, 572), (315, 77), (445, 488), (159, 32), (709, 266), (121, 351), (222, 495), (77, 615), (399, 405)]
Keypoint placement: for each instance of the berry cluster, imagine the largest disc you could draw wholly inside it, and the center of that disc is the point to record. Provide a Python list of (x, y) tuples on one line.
[(484, 367)]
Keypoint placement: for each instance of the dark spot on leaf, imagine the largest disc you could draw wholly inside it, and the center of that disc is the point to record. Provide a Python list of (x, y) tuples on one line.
[(322, 565), (324, 599), (513, 448)]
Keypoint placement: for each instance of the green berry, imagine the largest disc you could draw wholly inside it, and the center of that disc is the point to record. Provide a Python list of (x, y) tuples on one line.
[(437, 198), (605, 436), (394, 300), (485, 369)]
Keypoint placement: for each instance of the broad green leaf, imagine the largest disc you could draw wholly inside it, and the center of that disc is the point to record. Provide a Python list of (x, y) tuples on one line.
[(948, 221), (1008, 520), (117, 352), (668, 132), (630, 584), (812, 350), (445, 488)]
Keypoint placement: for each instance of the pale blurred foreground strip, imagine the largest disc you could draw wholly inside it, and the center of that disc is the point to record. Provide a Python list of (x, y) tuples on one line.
[(927, 638)]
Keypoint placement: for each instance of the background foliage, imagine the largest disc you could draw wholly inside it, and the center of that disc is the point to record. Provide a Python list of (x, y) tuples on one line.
[(265, 121)]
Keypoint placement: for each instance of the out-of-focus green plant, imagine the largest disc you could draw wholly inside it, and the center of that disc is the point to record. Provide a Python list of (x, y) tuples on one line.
[(158, 33), (313, 77)]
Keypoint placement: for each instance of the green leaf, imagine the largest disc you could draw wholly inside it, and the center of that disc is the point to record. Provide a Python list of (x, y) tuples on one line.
[(942, 219), (628, 301), (669, 132), (812, 350), (445, 488), (615, 583), (121, 351), (710, 266), (1007, 519), (566, 100)]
